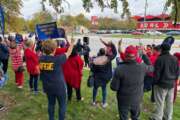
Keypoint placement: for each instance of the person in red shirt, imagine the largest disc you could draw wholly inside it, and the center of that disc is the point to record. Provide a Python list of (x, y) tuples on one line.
[(177, 54), (154, 56), (32, 64), (73, 69), (16, 54), (62, 48)]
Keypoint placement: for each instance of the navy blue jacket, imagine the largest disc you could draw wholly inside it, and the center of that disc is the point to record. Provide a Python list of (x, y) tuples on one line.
[(4, 52), (52, 74)]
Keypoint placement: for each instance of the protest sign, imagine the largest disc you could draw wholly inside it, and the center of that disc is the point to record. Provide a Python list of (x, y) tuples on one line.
[(18, 38), (48, 31)]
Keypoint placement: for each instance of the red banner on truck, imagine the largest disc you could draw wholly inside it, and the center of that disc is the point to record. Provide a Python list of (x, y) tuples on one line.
[(157, 25)]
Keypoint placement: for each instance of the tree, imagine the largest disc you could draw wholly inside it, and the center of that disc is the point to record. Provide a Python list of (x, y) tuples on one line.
[(17, 24), (175, 13), (39, 17), (68, 21), (89, 4), (114, 24), (12, 10), (73, 21), (82, 20), (113, 4), (11, 7)]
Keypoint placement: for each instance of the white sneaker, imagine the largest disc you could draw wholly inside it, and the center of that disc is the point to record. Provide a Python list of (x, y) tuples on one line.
[(1, 107), (104, 105), (20, 87), (82, 99), (94, 104)]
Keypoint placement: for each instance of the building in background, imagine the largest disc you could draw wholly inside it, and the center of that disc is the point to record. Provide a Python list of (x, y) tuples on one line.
[(160, 22), (94, 20)]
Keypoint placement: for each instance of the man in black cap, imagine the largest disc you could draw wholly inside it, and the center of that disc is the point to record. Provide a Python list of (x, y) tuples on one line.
[(166, 73)]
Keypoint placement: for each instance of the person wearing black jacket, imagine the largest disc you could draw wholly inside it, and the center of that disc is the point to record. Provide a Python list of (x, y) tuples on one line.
[(86, 51), (128, 82), (4, 55), (166, 73), (79, 47), (102, 72)]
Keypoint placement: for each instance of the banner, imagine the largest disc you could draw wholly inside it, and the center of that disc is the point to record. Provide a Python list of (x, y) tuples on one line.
[(47, 31), (157, 25), (2, 21)]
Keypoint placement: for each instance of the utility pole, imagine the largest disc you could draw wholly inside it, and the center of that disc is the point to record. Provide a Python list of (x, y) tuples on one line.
[(145, 13)]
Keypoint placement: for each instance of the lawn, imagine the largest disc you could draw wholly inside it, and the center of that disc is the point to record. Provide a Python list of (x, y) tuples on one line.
[(23, 105), (142, 36)]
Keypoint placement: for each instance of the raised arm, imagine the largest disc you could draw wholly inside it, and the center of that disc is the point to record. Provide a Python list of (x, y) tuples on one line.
[(68, 53), (120, 46), (7, 43), (67, 42), (103, 42)]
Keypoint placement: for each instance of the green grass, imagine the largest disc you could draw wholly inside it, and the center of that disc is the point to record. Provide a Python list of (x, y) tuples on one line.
[(23, 105), (141, 36)]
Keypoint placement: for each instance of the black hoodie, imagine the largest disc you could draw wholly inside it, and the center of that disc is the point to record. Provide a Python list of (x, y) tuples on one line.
[(166, 70)]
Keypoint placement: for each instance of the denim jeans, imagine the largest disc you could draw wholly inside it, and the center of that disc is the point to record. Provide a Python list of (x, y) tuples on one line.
[(104, 93), (33, 82), (134, 110), (51, 106)]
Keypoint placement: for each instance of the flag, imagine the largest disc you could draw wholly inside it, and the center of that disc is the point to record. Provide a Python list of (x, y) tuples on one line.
[(2, 21)]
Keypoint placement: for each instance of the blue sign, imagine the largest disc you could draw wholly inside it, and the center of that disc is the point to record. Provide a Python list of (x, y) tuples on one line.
[(19, 38), (47, 31), (2, 21)]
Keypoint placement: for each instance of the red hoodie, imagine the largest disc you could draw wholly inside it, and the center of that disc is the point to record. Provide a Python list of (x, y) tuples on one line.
[(73, 71), (72, 68), (32, 61)]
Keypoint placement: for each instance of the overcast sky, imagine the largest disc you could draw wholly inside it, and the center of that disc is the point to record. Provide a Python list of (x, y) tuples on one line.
[(155, 7)]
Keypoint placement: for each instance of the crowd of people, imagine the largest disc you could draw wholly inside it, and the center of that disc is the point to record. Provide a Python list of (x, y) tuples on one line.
[(60, 65)]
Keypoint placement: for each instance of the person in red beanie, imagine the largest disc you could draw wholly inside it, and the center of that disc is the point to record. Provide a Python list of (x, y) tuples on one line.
[(128, 81), (72, 69), (32, 64), (122, 54)]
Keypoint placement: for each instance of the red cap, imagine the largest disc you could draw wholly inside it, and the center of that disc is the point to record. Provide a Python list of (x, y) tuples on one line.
[(131, 51)]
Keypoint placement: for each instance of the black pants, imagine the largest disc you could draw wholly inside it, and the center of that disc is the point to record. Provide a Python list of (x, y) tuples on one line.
[(86, 60), (152, 95), (134, 110), (70, 91), (33, 82), (5, 65)]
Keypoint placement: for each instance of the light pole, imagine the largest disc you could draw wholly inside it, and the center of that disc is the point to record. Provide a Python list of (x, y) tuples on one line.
[(145, 11)]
